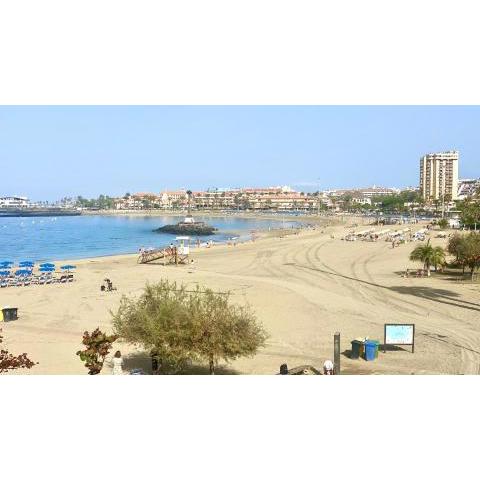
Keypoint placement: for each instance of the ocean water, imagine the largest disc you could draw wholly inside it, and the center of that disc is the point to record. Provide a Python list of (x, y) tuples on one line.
[(62, 238)]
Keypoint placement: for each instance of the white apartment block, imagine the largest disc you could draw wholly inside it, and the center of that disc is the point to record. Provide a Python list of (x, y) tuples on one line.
[(439, 176), (14, 202), (468, 187)]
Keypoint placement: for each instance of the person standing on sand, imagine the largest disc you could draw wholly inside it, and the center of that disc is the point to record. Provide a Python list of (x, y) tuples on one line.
[(117, 363), (328, 368)]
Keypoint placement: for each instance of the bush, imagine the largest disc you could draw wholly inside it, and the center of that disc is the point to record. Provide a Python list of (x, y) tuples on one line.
[(443, 223), (179, 326), (13, 362), (97, 344)]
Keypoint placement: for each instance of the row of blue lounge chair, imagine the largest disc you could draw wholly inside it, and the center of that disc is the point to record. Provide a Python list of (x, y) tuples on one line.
[(35, 280)]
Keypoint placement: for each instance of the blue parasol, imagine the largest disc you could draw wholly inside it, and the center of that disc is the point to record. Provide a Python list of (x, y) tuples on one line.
[(23, 272), (5, 264), (68, 267), (26, 264), (49, 265), (47, 269), (4, 273)]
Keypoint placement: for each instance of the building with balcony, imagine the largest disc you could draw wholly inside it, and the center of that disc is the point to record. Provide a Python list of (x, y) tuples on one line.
[(439, 176)]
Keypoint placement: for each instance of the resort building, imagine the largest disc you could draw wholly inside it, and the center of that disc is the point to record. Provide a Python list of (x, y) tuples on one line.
[(439, 176), (14, 202), (468, 188), (268, 198), (361, 200)]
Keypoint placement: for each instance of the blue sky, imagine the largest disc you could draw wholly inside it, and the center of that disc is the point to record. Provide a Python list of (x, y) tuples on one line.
[(50, 152)]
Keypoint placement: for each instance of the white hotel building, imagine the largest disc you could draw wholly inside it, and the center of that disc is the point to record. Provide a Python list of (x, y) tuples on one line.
[(14, 202)]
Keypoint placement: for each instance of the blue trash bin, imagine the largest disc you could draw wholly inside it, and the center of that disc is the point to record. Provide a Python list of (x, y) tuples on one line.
[(370, 347)]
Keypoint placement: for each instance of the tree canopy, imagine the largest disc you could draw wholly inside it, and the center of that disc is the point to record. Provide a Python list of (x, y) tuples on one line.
[(103, 202), (179, 325), (466, 249), (428, 255), (470, 212)]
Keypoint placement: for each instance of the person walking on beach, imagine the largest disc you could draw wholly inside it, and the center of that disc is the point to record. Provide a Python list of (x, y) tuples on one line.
[(117, 363)]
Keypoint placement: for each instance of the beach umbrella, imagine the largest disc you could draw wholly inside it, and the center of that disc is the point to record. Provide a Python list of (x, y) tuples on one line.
[(26, 264), (48, 265), (68, 267), (4, 273), (6, 264), (47, 269), (23, 272)]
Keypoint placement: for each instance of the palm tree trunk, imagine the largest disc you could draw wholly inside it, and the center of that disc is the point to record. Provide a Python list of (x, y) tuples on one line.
[(212, 365)]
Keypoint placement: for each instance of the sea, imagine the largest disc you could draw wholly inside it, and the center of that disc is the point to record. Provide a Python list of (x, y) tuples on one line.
[(67, 238)]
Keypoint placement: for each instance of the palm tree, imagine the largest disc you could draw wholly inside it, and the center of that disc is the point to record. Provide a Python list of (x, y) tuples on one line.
[(428, 255)]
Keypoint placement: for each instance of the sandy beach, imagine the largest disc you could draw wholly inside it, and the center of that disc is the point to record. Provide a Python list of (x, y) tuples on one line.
[(303, 287)]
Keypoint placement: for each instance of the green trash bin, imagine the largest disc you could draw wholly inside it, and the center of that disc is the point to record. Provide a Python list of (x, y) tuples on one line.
[(9, 314), (357, 349)]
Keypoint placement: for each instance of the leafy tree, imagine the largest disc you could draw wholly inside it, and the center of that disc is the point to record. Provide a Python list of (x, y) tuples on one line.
[(97, 344), (443, 223), (396, 202), (179, 325), (454, 245), (469, 251), (428, 255), (223, 331), (9, 361), (470, 212)]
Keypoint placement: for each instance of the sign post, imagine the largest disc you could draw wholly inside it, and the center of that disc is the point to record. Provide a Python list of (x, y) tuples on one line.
[(336, 353), (399, 334)]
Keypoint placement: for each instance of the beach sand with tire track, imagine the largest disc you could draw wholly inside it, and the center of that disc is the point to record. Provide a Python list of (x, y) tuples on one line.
[(303, 287)]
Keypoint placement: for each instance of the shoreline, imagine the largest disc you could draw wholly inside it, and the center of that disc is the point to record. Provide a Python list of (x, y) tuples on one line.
[(224, 236), (303, 287), (261, 234)]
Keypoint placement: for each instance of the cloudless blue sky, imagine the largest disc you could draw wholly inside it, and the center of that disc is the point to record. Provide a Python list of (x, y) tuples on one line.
[(50, 152)]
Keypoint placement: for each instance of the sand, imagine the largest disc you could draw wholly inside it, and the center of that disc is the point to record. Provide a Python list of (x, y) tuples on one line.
[(303, 287)]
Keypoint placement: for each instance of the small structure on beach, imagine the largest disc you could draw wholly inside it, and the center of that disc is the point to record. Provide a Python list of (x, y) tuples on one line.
[(189, 226), (173, 255)]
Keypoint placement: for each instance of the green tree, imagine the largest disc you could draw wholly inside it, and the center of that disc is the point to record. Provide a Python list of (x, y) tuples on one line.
[(470, 212), (454, 245), (443, 223), (428, 255), (469, 252), (179, 325)]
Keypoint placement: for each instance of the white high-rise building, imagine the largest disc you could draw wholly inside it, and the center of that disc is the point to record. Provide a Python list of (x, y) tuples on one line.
[(439, 176)]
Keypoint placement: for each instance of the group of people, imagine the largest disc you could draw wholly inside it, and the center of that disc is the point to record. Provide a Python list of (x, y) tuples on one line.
[(328, 369), (107, 286)]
